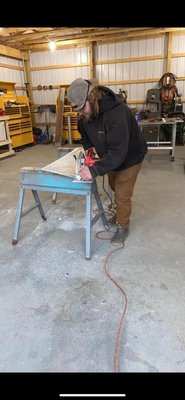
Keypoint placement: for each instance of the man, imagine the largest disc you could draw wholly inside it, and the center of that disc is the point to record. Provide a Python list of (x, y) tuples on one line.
[(107, 124)]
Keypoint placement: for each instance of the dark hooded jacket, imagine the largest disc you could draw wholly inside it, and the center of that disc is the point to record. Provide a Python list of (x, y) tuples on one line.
[(115, 135)]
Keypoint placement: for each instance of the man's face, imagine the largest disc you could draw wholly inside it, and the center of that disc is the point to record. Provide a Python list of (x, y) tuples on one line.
[(86, 111)]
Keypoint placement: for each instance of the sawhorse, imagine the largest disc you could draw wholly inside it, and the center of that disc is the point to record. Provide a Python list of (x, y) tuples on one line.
[(35, 179)]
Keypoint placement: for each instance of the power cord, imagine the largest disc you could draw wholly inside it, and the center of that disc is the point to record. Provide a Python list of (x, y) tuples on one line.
[(110, 205), (98, 236), (117, 347)]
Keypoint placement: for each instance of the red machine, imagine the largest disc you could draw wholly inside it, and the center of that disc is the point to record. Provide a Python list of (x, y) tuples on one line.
[(90, 157), (87, 159)]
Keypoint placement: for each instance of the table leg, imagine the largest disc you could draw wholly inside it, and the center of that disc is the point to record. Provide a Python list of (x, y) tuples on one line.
[(174, 128), (39, 205), (88, 226), (18, 216)]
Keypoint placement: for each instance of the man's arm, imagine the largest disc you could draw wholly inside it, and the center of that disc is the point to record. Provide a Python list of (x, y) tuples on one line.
[(117, 139)]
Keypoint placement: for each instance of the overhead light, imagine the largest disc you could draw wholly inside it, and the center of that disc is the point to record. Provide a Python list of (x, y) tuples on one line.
[(52, 45)]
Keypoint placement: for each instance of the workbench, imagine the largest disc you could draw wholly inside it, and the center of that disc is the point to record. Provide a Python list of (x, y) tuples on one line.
[(163, 145), (43, 179)]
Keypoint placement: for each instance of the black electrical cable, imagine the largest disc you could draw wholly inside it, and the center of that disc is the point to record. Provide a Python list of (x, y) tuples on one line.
[(110, 206)]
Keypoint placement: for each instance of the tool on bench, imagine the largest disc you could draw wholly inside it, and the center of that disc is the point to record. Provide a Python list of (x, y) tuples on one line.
[(87, 160)]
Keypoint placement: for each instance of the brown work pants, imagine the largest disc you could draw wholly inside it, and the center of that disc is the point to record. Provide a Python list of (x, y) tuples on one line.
[(122, 183)]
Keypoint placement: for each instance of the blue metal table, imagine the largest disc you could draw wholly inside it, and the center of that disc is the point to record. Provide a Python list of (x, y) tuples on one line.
[(35, 179)]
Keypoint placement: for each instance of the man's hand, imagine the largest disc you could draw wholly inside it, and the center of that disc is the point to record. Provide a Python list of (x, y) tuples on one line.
[(85, 174)]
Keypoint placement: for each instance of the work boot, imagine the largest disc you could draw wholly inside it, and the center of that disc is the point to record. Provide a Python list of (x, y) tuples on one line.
[(112, 220), (120, 235)]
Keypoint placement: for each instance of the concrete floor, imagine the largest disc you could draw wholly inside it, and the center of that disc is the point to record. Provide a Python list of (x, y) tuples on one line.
[(59, 312)]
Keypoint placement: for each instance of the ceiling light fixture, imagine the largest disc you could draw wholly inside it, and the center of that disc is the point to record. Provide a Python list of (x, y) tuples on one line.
[(52, 45)]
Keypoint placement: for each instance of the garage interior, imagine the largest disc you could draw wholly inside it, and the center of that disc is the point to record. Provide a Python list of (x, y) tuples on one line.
[(61, 312)]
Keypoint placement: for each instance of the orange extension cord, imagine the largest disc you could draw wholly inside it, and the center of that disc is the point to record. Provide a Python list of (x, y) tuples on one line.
[(116, 353)]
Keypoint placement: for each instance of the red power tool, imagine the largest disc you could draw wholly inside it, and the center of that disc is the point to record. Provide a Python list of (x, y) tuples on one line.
[(87, 159), (90, 157)]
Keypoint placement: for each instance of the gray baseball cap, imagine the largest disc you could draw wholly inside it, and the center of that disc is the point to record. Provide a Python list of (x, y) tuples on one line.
[(78, 92)]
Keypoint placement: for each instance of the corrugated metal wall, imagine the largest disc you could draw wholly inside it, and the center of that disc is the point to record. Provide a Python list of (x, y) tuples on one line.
[(178, 63), (104, 72), (57, 76), (12, 75), (113, 64), (131, 70)]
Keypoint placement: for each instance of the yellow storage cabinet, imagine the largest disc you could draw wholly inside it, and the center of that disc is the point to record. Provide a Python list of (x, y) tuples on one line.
[(18, 110)]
